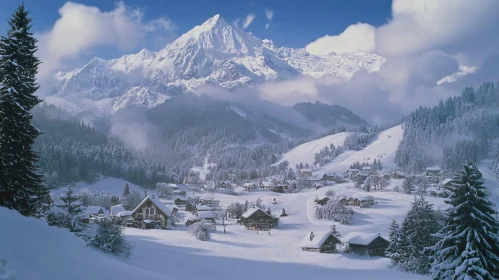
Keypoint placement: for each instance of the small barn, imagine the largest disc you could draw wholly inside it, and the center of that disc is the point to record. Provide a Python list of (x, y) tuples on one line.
[(152, 210), (372, 244), (206, 215), (382, 174), (322, 242), (258, 219), (306, 172)]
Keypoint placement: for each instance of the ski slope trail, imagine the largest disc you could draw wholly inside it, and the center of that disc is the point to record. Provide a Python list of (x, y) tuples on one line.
[(383, 147)]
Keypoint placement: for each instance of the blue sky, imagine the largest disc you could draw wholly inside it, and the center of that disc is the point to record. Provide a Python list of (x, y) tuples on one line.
[(308, 20)]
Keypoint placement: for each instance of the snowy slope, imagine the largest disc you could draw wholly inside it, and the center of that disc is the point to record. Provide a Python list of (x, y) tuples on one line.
[(215, 53), (383, 147), (304, 153)]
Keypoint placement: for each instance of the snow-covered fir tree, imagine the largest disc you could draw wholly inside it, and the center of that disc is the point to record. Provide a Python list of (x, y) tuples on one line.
[(67, 211), (394, 250), (334, 231), (408, 185), (468, 246), (126, 190), (417, 232), (107, 236), (21, 186)]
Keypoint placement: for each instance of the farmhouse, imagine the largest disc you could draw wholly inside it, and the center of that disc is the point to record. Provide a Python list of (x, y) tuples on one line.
[(249, 186), (151, 210), (258, 219), (322, 242), (446, 183), (266, 186), (371, 244), (361, 175)]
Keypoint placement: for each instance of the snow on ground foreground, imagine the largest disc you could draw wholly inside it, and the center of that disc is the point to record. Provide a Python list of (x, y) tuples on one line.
[(35, 251), (111, 185), (384, 148), (304, 153)]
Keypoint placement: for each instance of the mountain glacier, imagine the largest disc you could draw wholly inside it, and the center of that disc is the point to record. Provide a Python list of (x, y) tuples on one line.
[(214, 53)]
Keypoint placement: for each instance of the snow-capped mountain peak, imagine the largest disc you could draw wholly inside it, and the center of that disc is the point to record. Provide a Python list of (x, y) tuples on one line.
[(215, 52)]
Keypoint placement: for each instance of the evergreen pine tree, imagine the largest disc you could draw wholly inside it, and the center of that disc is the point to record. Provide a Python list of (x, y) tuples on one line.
[(71, 210), (394, 248), (408, 186), (468, 246), (126, 191), (417, 232), (283, 214), (268, 211), (20, 186), (334, 231)]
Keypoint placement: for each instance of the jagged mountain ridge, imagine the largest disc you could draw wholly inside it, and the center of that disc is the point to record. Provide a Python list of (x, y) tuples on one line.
[(214, 53)]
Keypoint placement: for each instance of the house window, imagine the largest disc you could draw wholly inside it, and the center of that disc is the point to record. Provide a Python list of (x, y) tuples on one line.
[(152, 211), (147, 211)]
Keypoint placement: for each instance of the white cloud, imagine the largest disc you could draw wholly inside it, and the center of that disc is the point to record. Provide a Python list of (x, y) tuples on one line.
[(457, 27), (269, 14), (81, 28), (248, 20), (267, 26), (359, 37)]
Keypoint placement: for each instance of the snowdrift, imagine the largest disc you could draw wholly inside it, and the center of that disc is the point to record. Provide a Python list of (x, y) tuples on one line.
[(33, 251)]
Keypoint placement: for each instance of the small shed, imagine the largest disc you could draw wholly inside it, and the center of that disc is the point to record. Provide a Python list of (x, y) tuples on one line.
[(258, 219), (372, 244), (322, 242)]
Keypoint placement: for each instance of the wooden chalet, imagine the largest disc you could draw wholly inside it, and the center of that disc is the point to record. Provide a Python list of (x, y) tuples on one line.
[(361, 175), (446, 183), (366, 243), (322, 242), (206, 215), (258, 219), (151, 212), (398, 175), (350, 173)]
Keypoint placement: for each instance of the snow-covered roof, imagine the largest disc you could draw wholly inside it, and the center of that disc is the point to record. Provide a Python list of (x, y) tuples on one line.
[(162, 207), (115, 209), (249, 184), (398, 172), (360, 238), (306, 170), (383, 173), (206, 215), (267, 184), (318, 239), (124, 214), (445, 181), (203, 208), (366, 168), (94, 210), (252, 211), (433, 168)]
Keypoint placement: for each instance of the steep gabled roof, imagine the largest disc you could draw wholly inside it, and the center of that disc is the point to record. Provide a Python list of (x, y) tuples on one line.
[(318, 239), (162, 207), (360, 238), (115, 209), (252, 211)]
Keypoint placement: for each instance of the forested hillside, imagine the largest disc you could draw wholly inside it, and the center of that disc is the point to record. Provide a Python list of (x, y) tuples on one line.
[(455, 131), (71, 151)]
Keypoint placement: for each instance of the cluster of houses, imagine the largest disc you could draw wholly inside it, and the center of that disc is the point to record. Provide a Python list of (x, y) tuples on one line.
[(355, 242)]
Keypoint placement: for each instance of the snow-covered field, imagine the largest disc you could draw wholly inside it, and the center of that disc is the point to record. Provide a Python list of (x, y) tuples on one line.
[(238, 254), (304, 153)]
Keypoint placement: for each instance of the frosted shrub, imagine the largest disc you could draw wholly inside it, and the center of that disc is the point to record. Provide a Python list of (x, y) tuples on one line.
[(201, 230)]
